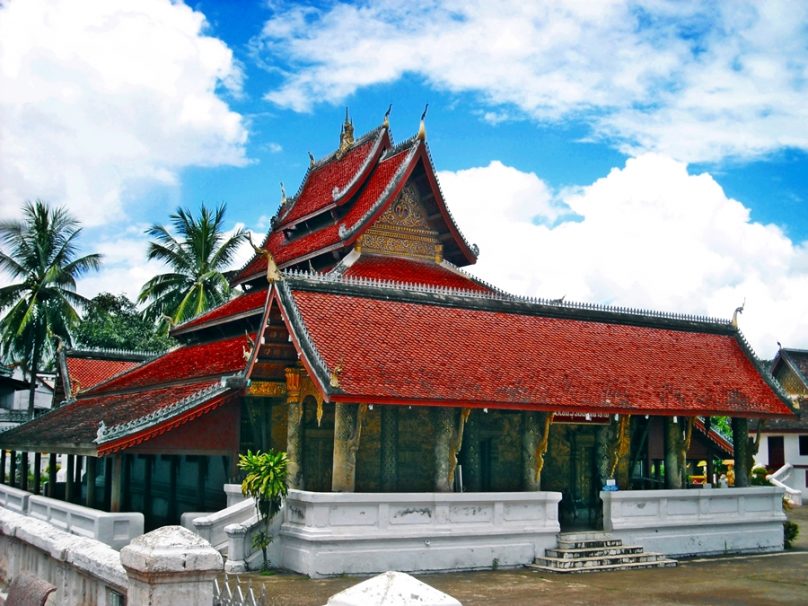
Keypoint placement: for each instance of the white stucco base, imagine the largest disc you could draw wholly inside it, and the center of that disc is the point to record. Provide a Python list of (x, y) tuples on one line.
[(683, 523), (326, 534)]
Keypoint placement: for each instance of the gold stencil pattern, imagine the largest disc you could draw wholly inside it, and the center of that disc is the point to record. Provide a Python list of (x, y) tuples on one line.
[(402, 229)]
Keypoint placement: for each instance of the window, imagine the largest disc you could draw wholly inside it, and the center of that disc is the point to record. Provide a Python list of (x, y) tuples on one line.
[(803, 446)]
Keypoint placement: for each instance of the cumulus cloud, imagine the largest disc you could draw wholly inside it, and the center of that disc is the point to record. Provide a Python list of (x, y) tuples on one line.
[(648, 235), (103, 95), (649, 75)]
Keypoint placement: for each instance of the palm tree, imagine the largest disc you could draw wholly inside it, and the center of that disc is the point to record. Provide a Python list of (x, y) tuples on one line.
[(198, 257), (40, 254)]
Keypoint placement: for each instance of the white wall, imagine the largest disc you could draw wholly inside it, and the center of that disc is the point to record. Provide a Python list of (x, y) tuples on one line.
[(791, 448)]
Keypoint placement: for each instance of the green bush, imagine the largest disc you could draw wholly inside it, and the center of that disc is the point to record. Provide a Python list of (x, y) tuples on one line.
[(790, 532)]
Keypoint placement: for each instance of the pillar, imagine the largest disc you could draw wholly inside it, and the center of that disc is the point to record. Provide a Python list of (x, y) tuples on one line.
[(201, 476), (472, 461), (126, 497), (347, 432), (532, 428), (294, 446), (740, 441), (91, 472), (2, 466), (170, 566), (115, 483), (294, 430), (13, 469), (389, 448), (602, 454), (673, 449), (69, 479), (173, 515), (443, 422), (52, 475), (37, 472), (147, 488), (78, 465), (24, 470)]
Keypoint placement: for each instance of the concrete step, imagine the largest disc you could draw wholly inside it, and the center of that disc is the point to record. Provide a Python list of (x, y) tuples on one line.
[(592, 552), (597, 562), (565, 543), (665, 563)]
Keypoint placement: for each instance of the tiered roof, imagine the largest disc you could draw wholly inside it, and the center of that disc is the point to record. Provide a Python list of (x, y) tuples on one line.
[(398, 344), (342, 195)]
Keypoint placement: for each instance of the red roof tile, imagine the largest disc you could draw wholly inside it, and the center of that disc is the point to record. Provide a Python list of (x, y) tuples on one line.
[(410, 271), (407, 352), (77, 423), (249, 301), (183, 364), (286, 251), (318, 189), (86, 372)]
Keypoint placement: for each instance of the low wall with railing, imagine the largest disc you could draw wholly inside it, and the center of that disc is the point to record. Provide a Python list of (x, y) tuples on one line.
[(14, 499), (166, 567), (114, 529), (327, 534), (697, 521), (211, 526)]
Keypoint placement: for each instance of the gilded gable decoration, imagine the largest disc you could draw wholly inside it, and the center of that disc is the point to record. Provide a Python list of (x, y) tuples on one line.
[(403, 229)]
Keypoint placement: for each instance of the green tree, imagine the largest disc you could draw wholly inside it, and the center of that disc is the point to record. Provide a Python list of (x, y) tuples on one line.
[(197, 257), (114, 322), (40, 254), (265, 482)]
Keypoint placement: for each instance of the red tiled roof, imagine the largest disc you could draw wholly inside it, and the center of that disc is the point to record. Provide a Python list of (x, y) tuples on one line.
[(285, 251), (317, 190), (77, 423), (407, 352), (249, 301), (86, 372), (183, 364), (410, 271)]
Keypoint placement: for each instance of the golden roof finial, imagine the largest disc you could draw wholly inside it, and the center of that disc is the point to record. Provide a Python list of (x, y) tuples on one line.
[(346, 138), (738, 310), (386, 122), (273, 273), (422, 128)]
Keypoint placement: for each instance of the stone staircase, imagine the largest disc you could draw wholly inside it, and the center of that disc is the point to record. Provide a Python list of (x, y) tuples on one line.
[(597, 552)]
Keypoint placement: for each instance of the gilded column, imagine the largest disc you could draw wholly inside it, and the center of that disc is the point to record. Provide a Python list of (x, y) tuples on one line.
[(531, 436), (444, 434), (602, 455), (740, 440), (673, 446), (294, 430), (472, 474), (347, 433), (389, 448)]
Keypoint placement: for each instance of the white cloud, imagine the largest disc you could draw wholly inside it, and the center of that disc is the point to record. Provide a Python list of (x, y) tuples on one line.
[(649, 235), (102, 95), (698, 81)]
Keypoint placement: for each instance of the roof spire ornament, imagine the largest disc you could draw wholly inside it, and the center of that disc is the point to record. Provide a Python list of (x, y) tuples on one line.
[(273, 273), (311, 160), (346, 138), (422, 128), (738, 310), (283, 195), (386, 122)]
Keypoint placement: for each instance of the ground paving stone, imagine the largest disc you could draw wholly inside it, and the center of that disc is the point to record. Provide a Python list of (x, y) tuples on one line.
[(763, 580)]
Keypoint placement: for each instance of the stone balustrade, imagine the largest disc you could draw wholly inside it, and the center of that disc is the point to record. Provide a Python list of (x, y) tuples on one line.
[(211, 526), (114, 529), (697, 521), (14, 499), (362, 533), (166, 567)]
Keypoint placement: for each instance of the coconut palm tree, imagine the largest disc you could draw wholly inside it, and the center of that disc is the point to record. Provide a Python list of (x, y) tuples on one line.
[(197, 256), (40, 254)]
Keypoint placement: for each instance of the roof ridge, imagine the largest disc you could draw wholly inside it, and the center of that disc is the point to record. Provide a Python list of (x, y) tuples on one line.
[(207, 311), (472, 247), (471, 276), (140, 353), (500, 295), (107, 434)]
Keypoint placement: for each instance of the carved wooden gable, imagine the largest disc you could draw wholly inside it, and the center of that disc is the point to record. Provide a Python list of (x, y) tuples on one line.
[(403, 230)]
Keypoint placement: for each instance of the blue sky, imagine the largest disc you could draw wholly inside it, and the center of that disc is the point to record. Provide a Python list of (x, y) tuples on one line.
[(639, 153)]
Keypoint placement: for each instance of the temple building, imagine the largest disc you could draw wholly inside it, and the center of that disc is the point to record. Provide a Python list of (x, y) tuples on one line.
[(362, 348)]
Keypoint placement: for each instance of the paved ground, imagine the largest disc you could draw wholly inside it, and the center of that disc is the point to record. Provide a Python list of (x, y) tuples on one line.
[(760, 580)]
